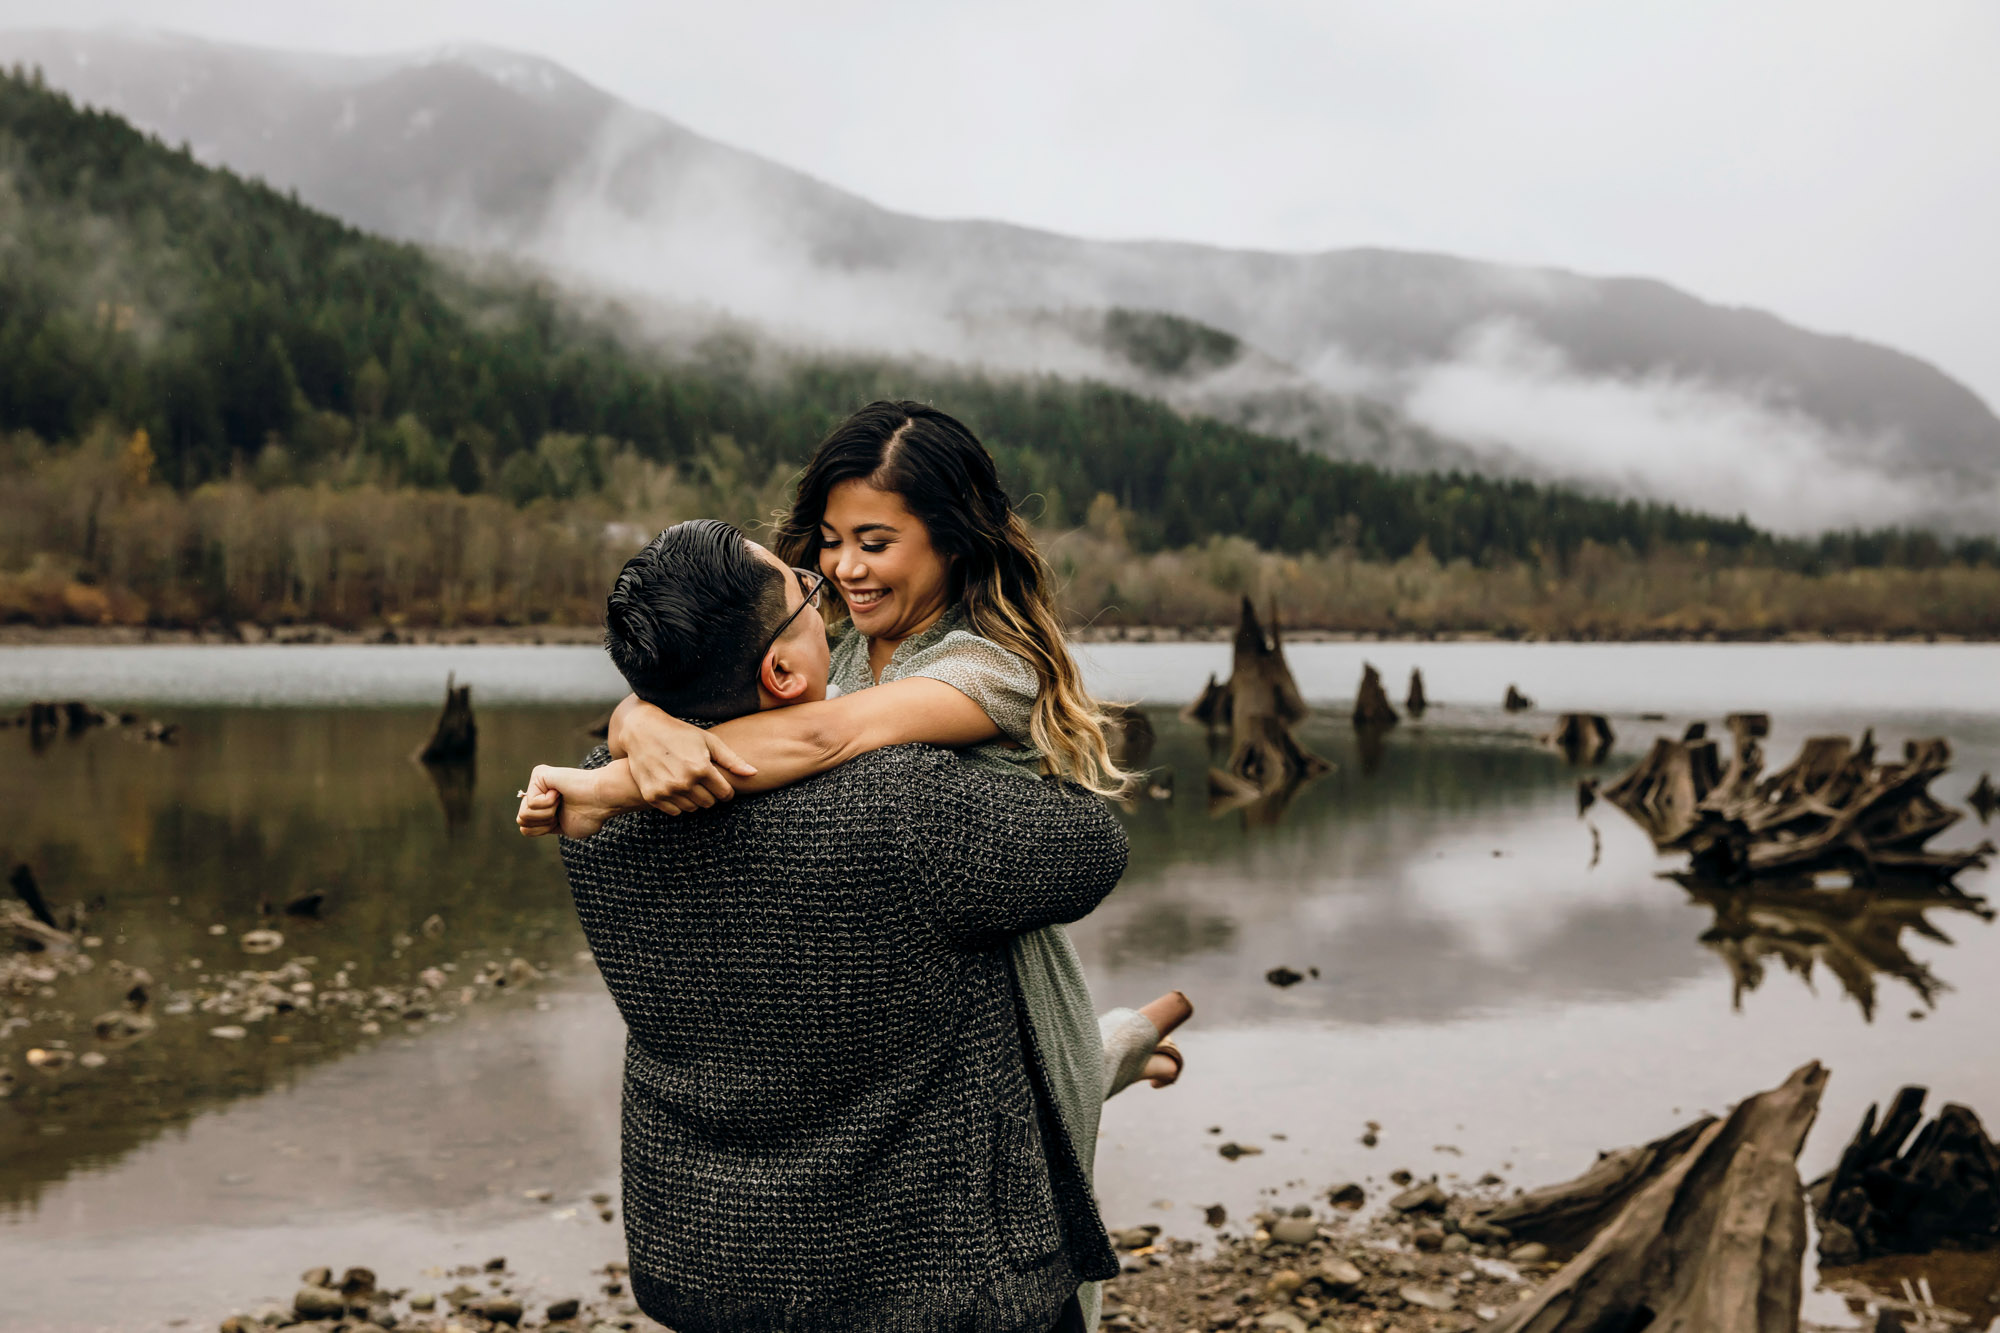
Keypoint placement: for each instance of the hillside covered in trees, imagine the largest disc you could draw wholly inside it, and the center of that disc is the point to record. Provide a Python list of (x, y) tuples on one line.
[(182, 351)]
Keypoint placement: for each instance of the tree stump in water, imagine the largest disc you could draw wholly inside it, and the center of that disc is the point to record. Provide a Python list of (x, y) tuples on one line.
[(22, 881), (1832, 807), (1264, 702), (1985, 799), (1371, 702), (1583, 738), (455, 739), (1516, 702), (1714, 1244), (1128, 735), (1882, 1199), (1211, 708), (1415, 700)]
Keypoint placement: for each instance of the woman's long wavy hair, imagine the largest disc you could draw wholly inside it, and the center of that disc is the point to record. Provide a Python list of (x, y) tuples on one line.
[(1006, 588)]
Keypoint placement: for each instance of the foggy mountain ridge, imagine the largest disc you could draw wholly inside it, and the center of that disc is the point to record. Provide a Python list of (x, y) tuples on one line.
[(1624, 385)]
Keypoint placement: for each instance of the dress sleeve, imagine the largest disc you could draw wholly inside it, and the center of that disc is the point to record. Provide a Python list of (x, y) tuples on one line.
[(1000, 682)]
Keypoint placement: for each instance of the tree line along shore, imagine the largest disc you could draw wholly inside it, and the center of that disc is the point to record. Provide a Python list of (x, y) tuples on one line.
[(217, 405)]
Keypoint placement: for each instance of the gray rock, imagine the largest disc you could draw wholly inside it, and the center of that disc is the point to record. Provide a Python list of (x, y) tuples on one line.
[(1295, 1230), (1427, 1298), (1340, 1276), (565, 1309), (1284, 1320), (1534, 1252), (499, 1309), (1457, 1244), (1425, 1198), (357, 1282), (319, 1303)]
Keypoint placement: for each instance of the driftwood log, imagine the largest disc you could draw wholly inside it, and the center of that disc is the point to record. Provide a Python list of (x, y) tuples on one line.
[(455, 739), (1564, 1217), (1855, 933), (1415, 701), (1714, 1244), (1834, 807), (1583, 738), (1883, 1198), (1371, 702)]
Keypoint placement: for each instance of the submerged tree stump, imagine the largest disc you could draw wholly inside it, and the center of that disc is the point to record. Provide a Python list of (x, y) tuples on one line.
[(1415, 701), (1714, 1244), (1583, 738), (455, 739), (1211, 707), (1516, 702), (1128, 735), (1371, 702), (1833, 807), (1261, 703), (1985, 798), (1943, 1190)]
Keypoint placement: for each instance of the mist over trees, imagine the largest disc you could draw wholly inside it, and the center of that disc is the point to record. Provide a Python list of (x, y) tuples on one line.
[(176, 343)]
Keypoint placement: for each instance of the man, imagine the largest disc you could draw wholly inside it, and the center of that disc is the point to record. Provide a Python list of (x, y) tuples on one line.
[(834, 1116)]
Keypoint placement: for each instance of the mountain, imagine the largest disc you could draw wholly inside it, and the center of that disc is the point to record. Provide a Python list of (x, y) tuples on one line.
[(166, 321), (1622, 385)]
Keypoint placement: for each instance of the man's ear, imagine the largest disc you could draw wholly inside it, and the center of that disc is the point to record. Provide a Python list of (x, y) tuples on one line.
[(778, 677)]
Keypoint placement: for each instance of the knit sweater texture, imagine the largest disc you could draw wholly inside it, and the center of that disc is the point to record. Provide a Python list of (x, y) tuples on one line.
[(835, 1114)]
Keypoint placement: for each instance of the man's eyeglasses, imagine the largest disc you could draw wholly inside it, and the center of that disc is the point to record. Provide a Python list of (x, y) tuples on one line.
[(811, 581)]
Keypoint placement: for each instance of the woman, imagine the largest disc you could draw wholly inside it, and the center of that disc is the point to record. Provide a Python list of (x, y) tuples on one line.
[(953, 641)]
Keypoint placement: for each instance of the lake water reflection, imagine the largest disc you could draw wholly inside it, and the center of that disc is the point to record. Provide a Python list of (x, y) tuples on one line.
[(1501, 984)]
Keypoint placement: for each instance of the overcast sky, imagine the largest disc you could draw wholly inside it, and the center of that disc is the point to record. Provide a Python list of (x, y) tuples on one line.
[(1835, 161)]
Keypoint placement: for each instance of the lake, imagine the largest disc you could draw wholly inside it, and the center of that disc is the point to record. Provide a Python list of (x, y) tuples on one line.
[(1501, 984)]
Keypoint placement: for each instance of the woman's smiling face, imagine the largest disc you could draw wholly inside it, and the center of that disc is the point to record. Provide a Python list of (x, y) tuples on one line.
[(879, 555)]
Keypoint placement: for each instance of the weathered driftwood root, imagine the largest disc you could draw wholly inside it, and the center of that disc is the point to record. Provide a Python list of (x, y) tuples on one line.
[(1415, 700), (1832, 807), (30, 935), (1943, 1190), (1564, 1217), (1371, 702), (22, 881), (1583, 738), (1856, 934), (1516, 702), (455, 739), (1714, 1244)]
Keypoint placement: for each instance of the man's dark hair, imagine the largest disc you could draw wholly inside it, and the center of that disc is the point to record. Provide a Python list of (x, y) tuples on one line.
[(688, 620)]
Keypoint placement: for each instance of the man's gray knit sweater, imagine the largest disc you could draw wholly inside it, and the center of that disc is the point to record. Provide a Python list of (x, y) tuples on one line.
[(834, 1115)]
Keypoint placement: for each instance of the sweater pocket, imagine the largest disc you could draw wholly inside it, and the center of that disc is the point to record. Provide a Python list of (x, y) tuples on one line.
[(1023, 1197)]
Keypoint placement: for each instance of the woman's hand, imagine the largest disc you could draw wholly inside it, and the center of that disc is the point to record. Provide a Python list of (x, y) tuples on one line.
[(679, 768), (574, 802)]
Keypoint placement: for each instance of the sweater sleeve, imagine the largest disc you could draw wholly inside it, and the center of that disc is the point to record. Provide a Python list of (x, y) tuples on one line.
[(995, 856)]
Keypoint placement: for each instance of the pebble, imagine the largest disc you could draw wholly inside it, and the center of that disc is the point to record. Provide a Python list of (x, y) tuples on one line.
[(1347, 1195), (1284, 1320), (1456, 1243), (1134, 1238), (1534, 1252), (564, 1309), (1284, 976), (1400, 1177), (1284, 1284), (92, 1059), (499, 1309), (1428, 1239), (1339, 1275), (1215, 1215), (1295, 1231), (229, 1032), (261, 941), (1426, 1197), (316, 1302), (1233, 1150), (1427, 1298), (424, 1301), (51, 1059)]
